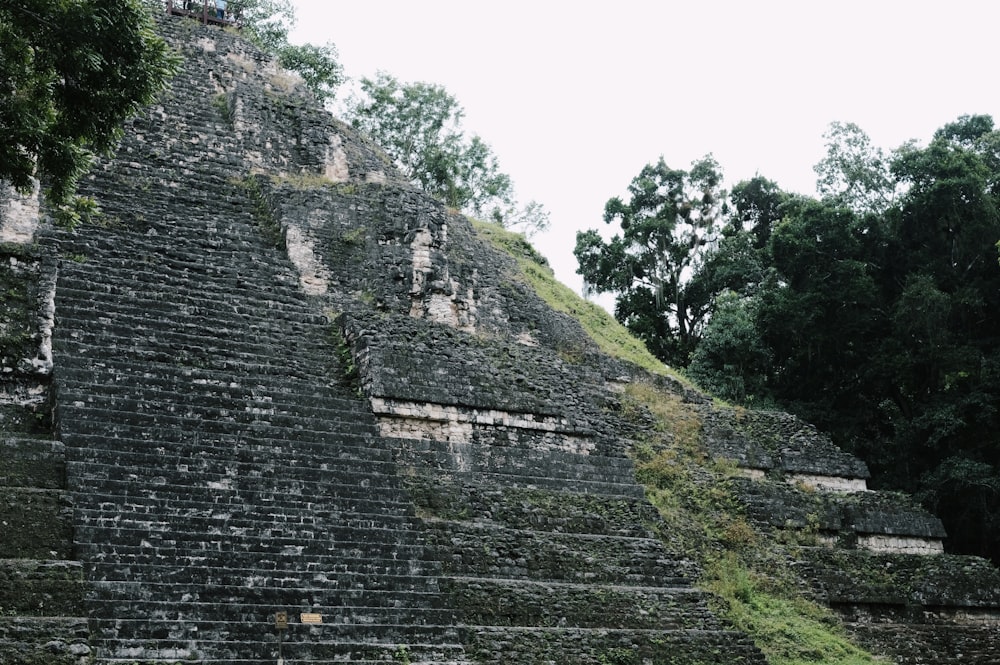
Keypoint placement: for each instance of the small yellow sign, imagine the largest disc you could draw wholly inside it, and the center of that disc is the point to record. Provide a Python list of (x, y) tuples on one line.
[(281, 620), (310, 618)]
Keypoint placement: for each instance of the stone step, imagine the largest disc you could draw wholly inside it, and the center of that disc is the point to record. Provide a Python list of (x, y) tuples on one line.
[(135, 492), (44, 640), (197, 349), (79, 374), (126, 419), (187, 170), (154, 564), (874, 579), (210, 621), (549, 483), (33, 587), (930, 643), (204, 239), (199, 401), (599, 646), (245, 595), (206, 179), (351, 576), (330, 464), (473, 459), (218, 362), (349, 550), (195, 344), (35, 523), (217, 243), (142, 324), (476, 550), (491, 602), (249, 442), (559, 510), (224, 226), (196, 413), (326, 521), (335, 525), (252, 610), (194, 293), (303, 520), (295, 648), (195, 362), (333, 450), (776, 504), (188, 286), (246, 443), (26, 462)]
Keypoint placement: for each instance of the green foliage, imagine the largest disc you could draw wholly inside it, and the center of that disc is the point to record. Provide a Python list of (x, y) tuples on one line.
[(351, 372), (419, 127), (267, 23), (854, 174), (221, 105), (757, 207), (263, 214), (671, 218), (401, 655), (619, 656), (71, 73), (789, 630), (871, 313), (317, 65), (609, 335), (731, 360), (78, 210), (757, 590)]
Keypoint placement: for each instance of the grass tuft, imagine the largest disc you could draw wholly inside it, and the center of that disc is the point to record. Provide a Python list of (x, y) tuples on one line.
[(610, 336)]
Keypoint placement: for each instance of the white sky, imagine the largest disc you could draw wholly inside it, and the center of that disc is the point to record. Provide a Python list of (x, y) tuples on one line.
[(576, 97)]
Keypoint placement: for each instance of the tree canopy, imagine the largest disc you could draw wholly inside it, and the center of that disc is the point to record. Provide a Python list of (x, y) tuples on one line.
[(872, 311), (668, 225), (71, 73), (419, 125)]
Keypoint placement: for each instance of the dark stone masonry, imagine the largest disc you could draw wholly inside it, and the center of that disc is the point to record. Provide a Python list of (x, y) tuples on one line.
[(274, 378)]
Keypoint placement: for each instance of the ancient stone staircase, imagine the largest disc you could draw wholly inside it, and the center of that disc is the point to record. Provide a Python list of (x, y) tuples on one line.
[(41, 586), (42, 616), (221, 468), (287, 382), (568, 575)]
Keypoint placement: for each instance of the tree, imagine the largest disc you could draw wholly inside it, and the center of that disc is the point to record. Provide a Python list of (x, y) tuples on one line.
[(817, 311), (873, 312), (317, 65), (731, 360), (267, 23), (757, 208), (419, 125), (882, 319), (740, 260), (71, 73), (669, 222), (854, 173)]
